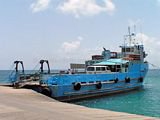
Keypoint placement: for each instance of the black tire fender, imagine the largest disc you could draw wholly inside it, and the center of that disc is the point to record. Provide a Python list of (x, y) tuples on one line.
[(77, 86), (127, 80), (116, 80), (46, 91), (140, 79), (99, 85)]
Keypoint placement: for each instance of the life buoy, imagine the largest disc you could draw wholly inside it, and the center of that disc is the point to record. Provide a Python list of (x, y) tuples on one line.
[(127, 80), (116, 80), (99, 85), (140, 79), (77, 86)]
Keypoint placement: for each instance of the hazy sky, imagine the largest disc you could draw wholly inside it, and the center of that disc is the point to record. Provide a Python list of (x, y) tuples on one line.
[(65, 31)]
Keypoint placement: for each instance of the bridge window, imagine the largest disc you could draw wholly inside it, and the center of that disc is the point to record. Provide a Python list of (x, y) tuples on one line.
[(132, 49), (98, 69), (127, 49), (90, 69), (103, 68)]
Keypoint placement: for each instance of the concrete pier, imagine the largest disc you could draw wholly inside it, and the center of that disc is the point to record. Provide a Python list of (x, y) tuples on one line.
[(25, 104)]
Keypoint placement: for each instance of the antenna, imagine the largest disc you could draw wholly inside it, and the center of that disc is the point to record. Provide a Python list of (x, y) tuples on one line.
[(134, 29), (141, 34), (124, 44), (134, 35), (129, 31), (124, 40)]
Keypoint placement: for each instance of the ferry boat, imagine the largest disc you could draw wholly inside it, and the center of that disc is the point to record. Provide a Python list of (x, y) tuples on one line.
[(108, 73)]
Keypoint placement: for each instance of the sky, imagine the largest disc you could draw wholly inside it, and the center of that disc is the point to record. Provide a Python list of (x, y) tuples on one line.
[(70, 31)]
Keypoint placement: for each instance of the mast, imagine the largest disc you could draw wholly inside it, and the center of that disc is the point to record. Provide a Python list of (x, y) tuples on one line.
[(129, 34)]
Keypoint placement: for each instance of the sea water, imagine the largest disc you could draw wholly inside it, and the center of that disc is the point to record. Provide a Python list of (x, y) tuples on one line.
[(143, 102), (4, 76)]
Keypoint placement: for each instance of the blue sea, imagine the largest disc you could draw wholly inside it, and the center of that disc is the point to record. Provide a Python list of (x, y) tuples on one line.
[(143, 102)]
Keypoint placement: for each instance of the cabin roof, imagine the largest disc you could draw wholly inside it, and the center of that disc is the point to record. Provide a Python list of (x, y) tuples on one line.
[(112, 62)]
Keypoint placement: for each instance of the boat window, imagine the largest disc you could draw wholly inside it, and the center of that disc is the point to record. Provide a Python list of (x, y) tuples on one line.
[(103, 69), (118, 68), (123, 65), (108, 68), (98, 69), (90, 69), (128, 50), (132, 49), (112, 68), (126, 65), (123, 50)]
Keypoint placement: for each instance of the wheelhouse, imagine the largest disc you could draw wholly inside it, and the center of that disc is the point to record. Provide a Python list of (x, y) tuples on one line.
[(111, 65)]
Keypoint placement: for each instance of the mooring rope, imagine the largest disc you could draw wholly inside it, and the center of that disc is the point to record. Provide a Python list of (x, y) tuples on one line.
[(153, 65)]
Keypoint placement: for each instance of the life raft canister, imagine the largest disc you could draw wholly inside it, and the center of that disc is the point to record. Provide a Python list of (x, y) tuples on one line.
[(127, 80), (77, 86), (99, 85), (140, 79)]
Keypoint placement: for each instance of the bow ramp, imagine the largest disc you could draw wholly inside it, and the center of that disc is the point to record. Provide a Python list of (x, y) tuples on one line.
[(20, 77)]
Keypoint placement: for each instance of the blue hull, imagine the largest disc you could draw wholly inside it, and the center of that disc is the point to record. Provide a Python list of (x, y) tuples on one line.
[(62, 87), (94, 94)]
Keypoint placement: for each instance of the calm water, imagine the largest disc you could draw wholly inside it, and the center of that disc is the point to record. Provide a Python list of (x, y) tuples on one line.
[(144, 102), (4, 76)]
